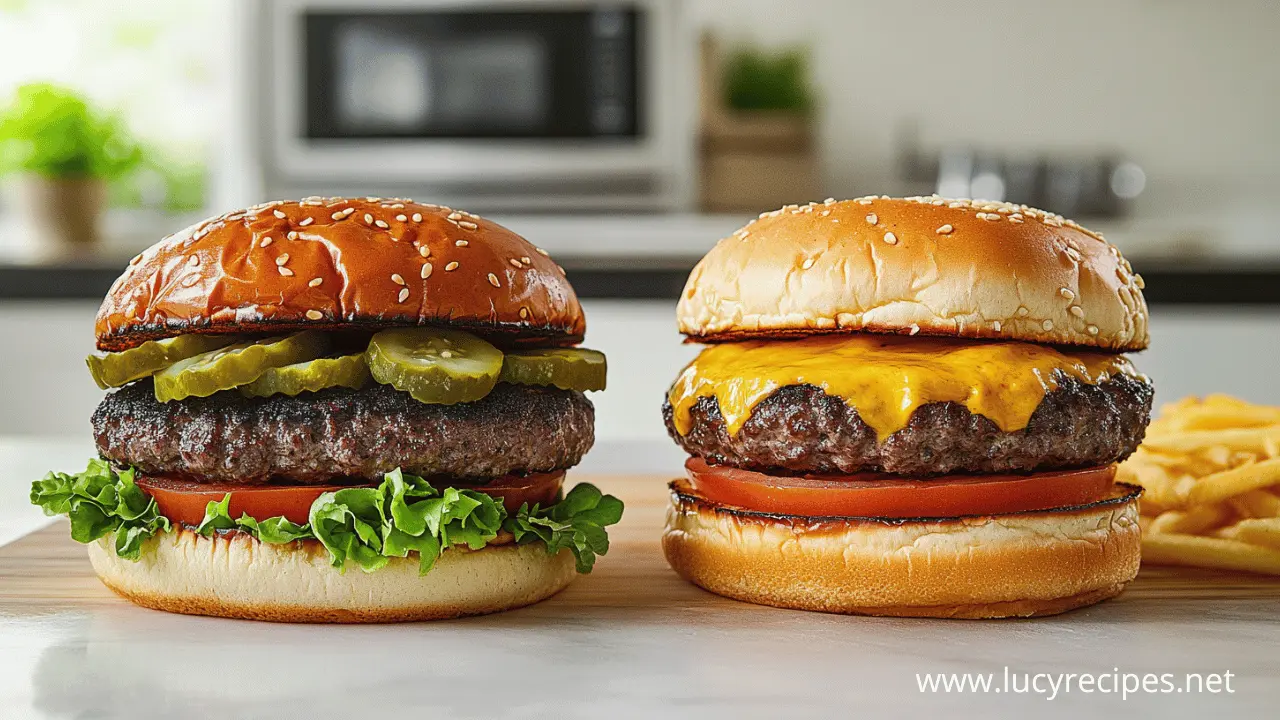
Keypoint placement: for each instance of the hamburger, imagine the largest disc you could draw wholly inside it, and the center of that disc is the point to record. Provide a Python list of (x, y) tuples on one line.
[(339, 410), (909, 407)]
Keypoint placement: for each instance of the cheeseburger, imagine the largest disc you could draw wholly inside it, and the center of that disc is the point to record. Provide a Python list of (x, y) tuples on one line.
[(339, 410), (909, 407)]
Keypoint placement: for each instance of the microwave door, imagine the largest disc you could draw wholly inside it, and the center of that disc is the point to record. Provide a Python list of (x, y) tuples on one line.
[(382, 82)]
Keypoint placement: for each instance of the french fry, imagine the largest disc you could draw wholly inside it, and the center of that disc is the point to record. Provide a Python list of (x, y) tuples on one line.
[(1257, 504), (1211, 470), (1191, 521), (1210, 552), (1243, 439), (1255, 531), (1222, 485)]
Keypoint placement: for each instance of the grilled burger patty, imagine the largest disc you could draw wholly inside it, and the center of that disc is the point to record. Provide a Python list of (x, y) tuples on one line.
[(801, 429), (340, 433)]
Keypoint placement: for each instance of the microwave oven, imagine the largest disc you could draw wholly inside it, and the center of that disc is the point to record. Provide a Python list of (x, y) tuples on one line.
[(497, 105)]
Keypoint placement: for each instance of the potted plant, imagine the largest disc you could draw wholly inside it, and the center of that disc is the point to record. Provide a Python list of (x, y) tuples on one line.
[(757, 129), (62, 153)]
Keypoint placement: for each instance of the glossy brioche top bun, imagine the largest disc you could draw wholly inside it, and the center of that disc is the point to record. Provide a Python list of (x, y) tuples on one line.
[(924, 265), (341, 263)]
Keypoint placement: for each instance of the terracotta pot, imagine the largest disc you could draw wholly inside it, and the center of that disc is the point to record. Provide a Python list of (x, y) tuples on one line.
[(60, 210)]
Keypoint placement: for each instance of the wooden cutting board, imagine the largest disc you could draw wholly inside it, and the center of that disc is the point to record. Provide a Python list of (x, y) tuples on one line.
[(47, 570)]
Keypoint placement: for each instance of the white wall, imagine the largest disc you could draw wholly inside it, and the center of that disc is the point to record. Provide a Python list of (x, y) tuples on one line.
[(1186, 87)]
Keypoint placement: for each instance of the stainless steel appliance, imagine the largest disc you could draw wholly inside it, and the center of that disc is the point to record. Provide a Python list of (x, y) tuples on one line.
[(512, 105)]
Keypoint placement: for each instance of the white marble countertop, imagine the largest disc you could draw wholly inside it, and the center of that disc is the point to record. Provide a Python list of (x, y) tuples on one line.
[(659, 649)]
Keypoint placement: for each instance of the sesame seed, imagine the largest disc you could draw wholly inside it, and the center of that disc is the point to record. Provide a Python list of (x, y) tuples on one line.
[(461, 243), (515, 263), (285, 271), (292, 235), (402, 218), (864, 201), (808, 263), (446, 354), (525, 259), (337, 215), (829, 201), (995, 325), (397, 279), (306, 221), (348, 212), (404, 295), (368, 219), (945, 229), (194, 261), (561, 269), (873, 219), (1077, 311), (190, 280), (1023, 312), (914, 328), (265, 242), (891, 238), (315, 282), (1047, 325), (426, 270), (417, 217), (314, 314), (467, 224), (284, 258), (455, 215), (1066, 293), (1093, 329), (540, 251), (381, 223), (493, 280), (451, 267), (424, 251), (524, 313), (1137, 280), (279, 213)]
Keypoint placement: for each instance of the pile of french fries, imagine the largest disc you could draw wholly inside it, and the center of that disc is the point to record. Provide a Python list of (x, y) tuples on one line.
[(1211, 470)]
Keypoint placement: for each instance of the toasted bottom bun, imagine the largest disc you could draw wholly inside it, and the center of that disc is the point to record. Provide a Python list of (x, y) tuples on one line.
[(1016, 565), (237, 576)]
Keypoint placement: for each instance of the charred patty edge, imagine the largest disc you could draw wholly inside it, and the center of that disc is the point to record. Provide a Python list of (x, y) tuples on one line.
[(800, 428)]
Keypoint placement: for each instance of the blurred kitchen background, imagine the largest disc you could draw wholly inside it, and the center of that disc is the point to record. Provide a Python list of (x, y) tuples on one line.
[(627, 137)]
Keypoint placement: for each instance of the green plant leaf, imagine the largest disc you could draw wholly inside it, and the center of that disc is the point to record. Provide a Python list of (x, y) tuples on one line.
[(53, 131)]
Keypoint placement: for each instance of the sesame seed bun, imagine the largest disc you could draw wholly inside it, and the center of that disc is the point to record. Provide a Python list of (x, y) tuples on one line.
[(341, 263), (1015, 565), (926, 265), (236, 576)]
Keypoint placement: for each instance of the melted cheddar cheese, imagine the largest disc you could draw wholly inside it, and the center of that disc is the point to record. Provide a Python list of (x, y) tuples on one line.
[(886, 377)]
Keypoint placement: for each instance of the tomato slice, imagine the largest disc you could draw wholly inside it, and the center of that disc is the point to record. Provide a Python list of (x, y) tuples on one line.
[(882, 496), (184, 501)]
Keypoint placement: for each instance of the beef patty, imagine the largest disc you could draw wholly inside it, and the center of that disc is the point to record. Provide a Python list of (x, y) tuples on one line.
[(800, 428), (344, 434)]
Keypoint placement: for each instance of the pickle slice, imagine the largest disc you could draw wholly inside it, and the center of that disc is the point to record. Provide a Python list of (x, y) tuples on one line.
[(235, 365), (566, 368), (121, 368), (440, 367), (311, 376)]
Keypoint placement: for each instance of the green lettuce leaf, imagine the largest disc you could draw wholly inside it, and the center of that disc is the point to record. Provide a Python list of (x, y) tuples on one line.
[(367, 526), (274, 531), (577, 522), (100, 501)]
